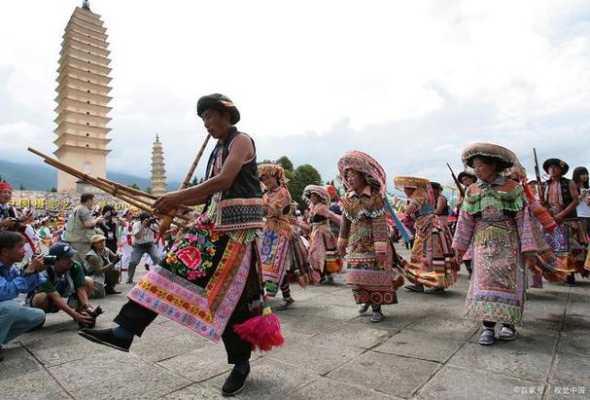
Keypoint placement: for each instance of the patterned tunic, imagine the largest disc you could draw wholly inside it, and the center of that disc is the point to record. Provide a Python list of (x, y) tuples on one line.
[(495, 221), (369, 253)]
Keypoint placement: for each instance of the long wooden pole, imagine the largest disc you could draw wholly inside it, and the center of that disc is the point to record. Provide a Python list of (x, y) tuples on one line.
[(187, 179), (104, 186), (128, 188)]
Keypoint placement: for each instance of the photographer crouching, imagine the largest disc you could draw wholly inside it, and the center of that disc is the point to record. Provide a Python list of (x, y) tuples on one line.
[(65, 287), (144, 236), (16, 319)]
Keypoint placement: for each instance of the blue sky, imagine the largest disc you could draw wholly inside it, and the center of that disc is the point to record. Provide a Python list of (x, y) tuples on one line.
[(411, 83)]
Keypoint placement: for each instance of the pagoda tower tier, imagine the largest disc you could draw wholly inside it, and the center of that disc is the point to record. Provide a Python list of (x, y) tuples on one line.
[(83, 87), (159, 186)]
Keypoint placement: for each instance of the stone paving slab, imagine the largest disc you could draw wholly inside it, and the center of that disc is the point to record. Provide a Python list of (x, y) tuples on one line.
[(411, 344), (386, 373), (453, 383), (424, 349)]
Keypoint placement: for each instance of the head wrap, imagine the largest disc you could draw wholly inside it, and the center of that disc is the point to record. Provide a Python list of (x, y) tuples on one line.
[(318, 190), (97, 238), (366, 165), (5, 186), (556, 161), (218, 102), (274, 170), (504, 157)]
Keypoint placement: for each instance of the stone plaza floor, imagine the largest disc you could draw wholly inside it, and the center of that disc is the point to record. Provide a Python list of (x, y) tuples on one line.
[(424, 349)]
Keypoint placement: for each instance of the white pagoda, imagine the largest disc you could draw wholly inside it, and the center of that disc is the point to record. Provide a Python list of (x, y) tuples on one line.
[(159, 186)]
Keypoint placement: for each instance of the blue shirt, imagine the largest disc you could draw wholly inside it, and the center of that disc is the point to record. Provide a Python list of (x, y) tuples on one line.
[(13, 282)]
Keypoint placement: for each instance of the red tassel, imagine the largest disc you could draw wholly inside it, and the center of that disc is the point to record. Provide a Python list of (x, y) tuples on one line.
[(262, 332)]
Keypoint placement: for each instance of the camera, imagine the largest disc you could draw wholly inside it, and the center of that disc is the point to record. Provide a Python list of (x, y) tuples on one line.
[(49, 260), (93, 314)]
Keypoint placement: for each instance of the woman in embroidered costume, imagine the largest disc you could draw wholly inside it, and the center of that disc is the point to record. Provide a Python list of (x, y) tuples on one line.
[(280, 260), (546, 262), (364, 234), (432, 261), (495, 221), (323, 255), (569, 239), (209, 281)]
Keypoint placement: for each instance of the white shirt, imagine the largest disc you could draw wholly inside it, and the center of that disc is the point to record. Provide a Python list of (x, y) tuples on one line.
[(143, 234)]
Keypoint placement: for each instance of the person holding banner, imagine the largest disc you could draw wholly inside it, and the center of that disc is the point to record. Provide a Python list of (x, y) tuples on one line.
[(364, 238)]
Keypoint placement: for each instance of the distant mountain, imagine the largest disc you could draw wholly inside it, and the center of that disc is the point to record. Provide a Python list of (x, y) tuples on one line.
[(43, 177)]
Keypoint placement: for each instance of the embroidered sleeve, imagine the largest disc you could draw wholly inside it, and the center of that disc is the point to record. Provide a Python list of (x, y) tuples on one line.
[(464, 231), (380, 236), (526, 232), (412, 209), (344, 230)]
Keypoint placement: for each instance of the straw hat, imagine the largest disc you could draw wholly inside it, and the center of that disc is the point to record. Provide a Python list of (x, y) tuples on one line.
[(97, 238)]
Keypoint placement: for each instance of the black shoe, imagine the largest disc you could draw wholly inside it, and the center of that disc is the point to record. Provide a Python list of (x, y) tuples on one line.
[(106, 337), (415, 288), (235, 382), (112, 291), (286, 303)]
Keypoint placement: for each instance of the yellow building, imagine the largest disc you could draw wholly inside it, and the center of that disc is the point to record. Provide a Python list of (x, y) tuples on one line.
[(83, 97), (158, 169)]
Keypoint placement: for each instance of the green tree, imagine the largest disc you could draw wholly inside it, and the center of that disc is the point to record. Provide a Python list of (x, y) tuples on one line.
[(285, 163), (53, 189), (135, 186), (148, 189), (302, 176)]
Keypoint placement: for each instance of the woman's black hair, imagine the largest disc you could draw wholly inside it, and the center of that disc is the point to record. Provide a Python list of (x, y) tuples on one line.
[(577, 174), (500, 164)]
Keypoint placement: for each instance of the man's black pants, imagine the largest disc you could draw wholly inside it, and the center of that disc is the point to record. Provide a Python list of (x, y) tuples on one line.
[(135, 318)]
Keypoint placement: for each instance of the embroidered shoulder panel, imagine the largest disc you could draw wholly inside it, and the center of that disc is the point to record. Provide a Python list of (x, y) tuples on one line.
[(357, 208), (478, 199)]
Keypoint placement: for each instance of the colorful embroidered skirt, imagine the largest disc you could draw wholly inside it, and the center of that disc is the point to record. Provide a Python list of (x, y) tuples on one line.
[(322, 246), (432, 261), (369, 282), (199, 281), (496, 289), (568, 241), (275, 258)]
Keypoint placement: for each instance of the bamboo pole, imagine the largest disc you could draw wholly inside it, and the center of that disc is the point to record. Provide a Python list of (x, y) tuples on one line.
[(104, 186)]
